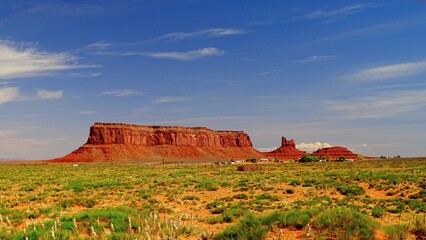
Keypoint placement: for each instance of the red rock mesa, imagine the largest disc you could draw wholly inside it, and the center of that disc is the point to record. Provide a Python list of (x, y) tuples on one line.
[(109, 142), (126, 142), (334, 153)]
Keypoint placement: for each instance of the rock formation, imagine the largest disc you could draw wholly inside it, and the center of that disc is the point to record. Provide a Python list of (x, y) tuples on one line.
[(287, 150), (125, 142), (333, 153)]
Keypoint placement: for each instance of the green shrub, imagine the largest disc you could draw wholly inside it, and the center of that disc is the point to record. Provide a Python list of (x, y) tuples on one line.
[(295, 182), (267, 196), (76, 186), (205, 185), (296, 218), (351, 190), (248, 228), (191, 197), (419, 229), (240, 196), (417, 205), (308, 158), (378, 211), (216, 207), (345, 223), (226, 217), (396, 231), (237, 210), (419, 195)]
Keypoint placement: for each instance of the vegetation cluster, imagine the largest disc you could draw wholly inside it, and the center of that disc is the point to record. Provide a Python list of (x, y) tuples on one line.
[(323, 200)]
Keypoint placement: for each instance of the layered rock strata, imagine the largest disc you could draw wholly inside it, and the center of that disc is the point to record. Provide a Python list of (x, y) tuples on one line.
[(334, 153), (126, 142)]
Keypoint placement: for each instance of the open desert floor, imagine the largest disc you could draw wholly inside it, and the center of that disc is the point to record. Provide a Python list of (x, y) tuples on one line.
[(381, 199)]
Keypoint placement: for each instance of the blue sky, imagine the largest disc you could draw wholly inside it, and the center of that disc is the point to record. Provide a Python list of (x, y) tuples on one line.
[(335, 72)]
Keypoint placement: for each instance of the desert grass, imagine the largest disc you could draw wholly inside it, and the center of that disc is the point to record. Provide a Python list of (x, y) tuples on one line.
[(365, 199)]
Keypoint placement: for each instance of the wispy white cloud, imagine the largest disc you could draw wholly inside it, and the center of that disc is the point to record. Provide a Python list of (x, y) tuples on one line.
[(268, 72), (204, 120), (399, 86), (86, 75), (9, 94), (204, 33), (86, 112), (46, 94), (162, 100), (318, 58), (182, 56), (141, 110), (62, 8), (120, 93), (260, 23), (343, 11), (188, 55), (378, 29), (382, 105), (99, 45), (17, 61), (267, 149), (12, 94), (389, 71), (311, 147), (5, 133)]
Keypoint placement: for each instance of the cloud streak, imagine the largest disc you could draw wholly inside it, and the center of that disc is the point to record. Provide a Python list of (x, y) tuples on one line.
[(120, 93), (8, 94), (163, 100), (268, 72), (174, 55), (188, 55), (383, 105), (344, 11), (389, 71), (319, 58), (102, 45), (267, 149), (13, 94), (204, 33), (18, 62), (46, 94), (86, 112)]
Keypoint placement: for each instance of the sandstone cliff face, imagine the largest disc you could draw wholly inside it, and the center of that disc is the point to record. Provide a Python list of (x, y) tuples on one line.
[(101, 133), (126, 142), (333, 153)]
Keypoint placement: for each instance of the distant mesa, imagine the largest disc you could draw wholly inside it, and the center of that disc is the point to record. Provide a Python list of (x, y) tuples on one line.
[(111, 142), (334, 153)]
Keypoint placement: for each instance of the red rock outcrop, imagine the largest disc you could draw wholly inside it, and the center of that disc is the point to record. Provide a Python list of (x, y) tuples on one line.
[(333, 153), (125, 142), (287, 150)]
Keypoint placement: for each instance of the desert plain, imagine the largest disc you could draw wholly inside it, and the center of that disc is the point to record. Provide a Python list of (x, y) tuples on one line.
[(370, 199)]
